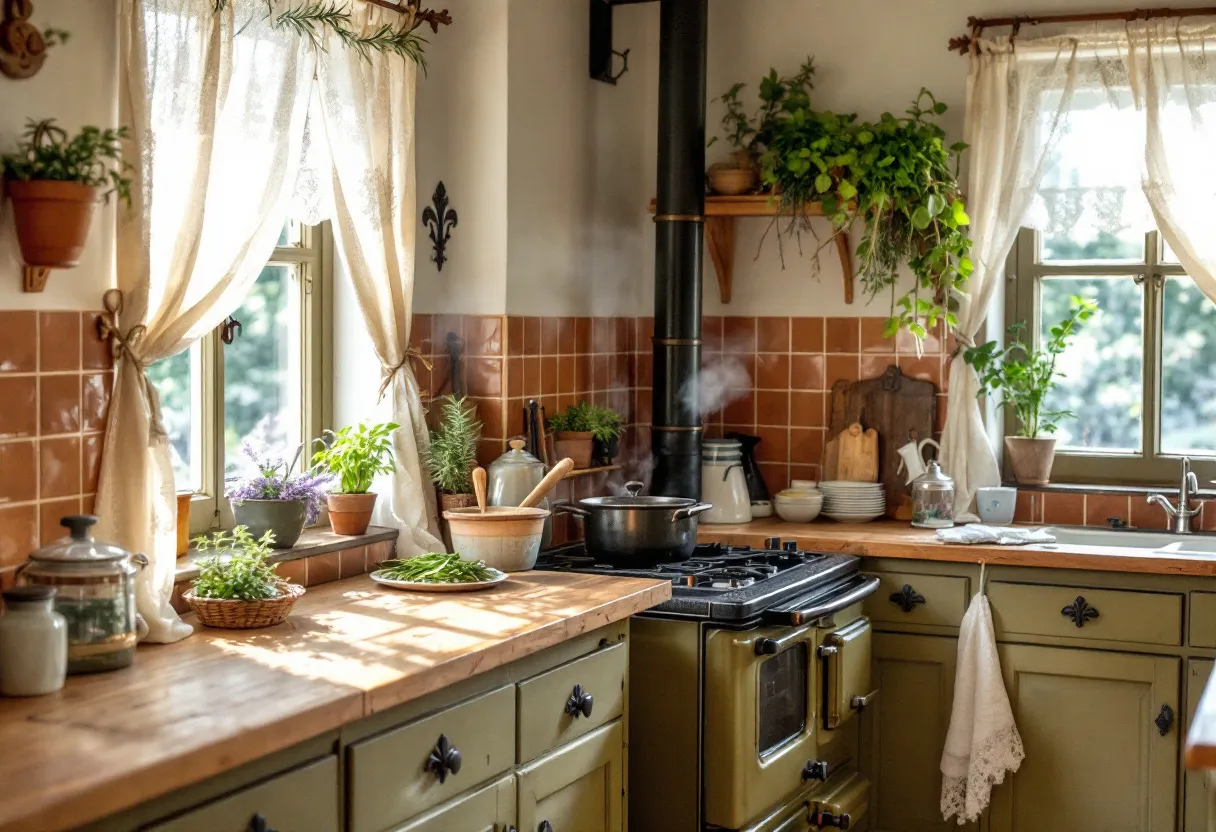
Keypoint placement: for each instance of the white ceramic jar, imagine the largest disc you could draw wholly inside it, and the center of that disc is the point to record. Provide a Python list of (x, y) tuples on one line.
[(33, 643), (723, 483)]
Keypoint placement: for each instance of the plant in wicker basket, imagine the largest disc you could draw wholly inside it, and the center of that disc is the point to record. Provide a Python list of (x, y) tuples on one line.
[(236, 588)]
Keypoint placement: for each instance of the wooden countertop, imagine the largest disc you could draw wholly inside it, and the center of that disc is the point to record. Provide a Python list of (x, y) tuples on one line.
[(895, 539), (222, 698)]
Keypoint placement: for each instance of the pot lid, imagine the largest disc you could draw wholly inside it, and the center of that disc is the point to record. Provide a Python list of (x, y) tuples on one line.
[(635, 501), (516, 456), (79, 546), (934, 479)]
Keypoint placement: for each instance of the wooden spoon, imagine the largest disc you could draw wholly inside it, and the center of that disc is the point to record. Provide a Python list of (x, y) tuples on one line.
[(548, 483), (479, 487)]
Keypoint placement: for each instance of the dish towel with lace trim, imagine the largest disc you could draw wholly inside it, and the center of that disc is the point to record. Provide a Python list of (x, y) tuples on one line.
[(983, 742)]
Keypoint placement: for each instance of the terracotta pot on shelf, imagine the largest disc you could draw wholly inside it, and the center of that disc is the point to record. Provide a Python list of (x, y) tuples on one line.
[(576, 445), (350, 514), (448, 502), (1031, 458), (52, 220)]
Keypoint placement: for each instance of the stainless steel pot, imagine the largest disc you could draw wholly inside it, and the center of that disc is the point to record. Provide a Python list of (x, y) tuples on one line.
[(653, 529)]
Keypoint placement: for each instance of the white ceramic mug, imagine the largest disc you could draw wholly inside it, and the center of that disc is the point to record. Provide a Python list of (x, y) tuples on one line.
[(996, 505)]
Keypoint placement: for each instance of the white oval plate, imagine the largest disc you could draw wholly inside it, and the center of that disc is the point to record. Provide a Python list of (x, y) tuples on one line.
[(498, 578)]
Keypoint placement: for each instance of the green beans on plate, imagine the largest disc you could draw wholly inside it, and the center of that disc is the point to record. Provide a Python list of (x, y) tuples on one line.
[(436, 568)]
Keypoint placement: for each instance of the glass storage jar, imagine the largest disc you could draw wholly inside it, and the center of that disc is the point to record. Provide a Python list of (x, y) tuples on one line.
[(511, 478), (95, 585), (933, 499)]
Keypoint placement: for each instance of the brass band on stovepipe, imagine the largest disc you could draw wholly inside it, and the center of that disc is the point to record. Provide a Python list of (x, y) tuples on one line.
[(679, 218), (678, 428), (676, 342)]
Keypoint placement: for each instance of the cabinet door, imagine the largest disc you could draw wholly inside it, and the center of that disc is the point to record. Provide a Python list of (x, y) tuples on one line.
[(577, 788), (1196, 805), (1095, 756), (907, 724), (489, 809)]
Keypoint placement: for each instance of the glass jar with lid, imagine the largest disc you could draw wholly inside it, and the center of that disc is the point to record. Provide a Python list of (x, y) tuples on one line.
[(933, 499), (95, 592), (511, 478)]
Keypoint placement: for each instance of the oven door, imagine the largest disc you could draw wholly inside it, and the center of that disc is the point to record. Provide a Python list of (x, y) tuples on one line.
[(760, 721), (845, 654)]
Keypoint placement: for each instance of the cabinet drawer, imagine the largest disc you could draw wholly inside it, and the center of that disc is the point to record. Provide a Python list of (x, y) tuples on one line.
[(390, 777), (548, 712), (303, 800), (1085, 613), (489, 809), (909, 598), (1203, 619)]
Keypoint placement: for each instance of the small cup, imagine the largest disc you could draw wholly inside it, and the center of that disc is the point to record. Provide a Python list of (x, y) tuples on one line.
[(996, 505)]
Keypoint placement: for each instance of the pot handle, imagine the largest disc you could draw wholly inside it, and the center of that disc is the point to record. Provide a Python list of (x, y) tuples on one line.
[(571, 508), (691, 511)]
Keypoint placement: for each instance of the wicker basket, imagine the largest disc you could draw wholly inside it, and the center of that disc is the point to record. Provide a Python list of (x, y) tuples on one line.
[(244, 615)]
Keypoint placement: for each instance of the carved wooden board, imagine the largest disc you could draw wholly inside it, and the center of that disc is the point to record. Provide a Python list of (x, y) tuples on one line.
[(894, 405)]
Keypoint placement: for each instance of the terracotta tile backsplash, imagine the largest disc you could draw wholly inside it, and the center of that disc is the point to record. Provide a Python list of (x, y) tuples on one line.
[(56, 378)]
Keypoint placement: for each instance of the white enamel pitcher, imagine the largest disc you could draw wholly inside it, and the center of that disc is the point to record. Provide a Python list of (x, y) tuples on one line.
[(912, 460)]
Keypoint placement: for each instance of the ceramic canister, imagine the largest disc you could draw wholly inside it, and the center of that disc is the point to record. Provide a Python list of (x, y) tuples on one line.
[(33, 643), (723, 483)]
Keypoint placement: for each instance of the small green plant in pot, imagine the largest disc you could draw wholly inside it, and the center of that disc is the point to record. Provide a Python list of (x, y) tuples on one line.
[(354, 456), (236, 588), (606, 428), (1024, 376), (574, 433), (452, 456)]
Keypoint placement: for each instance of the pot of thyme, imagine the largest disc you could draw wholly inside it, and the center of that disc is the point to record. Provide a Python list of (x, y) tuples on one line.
[(354, 456), (275, 500), (606, 430), (236, 588), (574, 433), (452, 455), (54, 180), (1024, 376)]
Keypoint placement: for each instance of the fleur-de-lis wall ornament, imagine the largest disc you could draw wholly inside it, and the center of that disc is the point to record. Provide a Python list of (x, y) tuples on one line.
[(440, 219)]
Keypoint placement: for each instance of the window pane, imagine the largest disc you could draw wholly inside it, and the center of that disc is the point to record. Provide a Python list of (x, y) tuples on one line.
[(1188, 370), (262, 399), (1103, 368), (179, 381), (291, 235)]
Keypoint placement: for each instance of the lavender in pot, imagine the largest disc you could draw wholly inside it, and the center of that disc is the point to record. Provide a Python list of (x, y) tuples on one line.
[(275, 500)]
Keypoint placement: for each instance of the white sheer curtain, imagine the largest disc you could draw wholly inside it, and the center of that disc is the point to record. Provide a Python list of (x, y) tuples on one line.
[(367, 108), (216, 105)]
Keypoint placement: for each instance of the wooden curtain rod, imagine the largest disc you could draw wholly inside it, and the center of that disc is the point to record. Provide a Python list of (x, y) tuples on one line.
[(978, 24)]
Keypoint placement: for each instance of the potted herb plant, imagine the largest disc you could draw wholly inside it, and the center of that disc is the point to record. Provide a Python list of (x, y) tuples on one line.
[(1024, 376), (54, 180), (574, 433), (275, 500), (236, 588), (452, 455), (354, 456), (606, 430)]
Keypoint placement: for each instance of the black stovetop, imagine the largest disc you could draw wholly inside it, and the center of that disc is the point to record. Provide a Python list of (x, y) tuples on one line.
[(721, 583)]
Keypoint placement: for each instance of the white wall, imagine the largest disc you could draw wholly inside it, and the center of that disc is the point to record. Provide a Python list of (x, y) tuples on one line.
[(77, 85)]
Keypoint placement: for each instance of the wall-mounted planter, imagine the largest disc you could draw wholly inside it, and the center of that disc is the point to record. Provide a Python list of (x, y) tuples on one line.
[(52, 220)]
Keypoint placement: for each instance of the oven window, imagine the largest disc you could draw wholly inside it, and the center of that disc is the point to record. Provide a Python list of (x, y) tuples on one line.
[(783, 680)]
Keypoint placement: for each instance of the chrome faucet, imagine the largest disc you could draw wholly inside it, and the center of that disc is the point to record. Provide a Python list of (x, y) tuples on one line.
[(1180, 517)]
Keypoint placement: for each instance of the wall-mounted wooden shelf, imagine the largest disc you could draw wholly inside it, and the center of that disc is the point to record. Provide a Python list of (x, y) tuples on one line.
[(720, 215), (583, 472)]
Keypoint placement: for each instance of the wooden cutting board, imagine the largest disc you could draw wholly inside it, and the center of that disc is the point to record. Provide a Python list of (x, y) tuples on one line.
[(894, 406), (858, 454)]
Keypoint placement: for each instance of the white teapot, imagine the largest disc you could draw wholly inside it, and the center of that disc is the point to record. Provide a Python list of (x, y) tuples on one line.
[(912, 460)]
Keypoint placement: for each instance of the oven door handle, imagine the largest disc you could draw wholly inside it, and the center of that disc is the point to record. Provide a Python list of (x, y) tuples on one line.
[(772, 645), (820, 603)]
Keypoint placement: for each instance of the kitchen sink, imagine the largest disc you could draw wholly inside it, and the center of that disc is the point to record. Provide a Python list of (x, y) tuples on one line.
[(1135, 539)]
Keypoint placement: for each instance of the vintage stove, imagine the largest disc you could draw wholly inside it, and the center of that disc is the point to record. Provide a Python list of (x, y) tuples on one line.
[(744, 688)]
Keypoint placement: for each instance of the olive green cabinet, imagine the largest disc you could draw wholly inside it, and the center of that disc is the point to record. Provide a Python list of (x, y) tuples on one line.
[(1101, 741), (489, 809), (577, 788)]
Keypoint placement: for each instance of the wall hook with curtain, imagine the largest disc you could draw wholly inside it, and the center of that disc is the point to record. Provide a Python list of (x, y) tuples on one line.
[(440, 220)]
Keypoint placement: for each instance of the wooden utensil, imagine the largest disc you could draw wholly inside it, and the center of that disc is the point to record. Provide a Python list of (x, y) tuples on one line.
[(479, 487), (549, 482)]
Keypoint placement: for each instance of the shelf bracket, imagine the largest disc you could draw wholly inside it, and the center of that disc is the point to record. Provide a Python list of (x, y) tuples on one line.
[(846, 264), (720, 237), (34, 278), (601, 51)]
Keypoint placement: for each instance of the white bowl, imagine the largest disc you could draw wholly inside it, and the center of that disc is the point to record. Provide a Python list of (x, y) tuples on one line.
[(795, 513)]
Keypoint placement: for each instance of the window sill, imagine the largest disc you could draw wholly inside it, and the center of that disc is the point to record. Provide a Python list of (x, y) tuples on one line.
[(315, 541), (1099, 488)]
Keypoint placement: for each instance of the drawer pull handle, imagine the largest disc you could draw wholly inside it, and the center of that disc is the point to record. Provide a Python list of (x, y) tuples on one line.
[(1164, 720), (826, 820), (860, 703), (258, 824), (815, 770), (444, 759), (1080, 611), (544, 826), (579, 703), (906, 598)]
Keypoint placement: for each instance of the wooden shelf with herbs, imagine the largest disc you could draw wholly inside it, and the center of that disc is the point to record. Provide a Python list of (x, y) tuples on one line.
[(720, 215)]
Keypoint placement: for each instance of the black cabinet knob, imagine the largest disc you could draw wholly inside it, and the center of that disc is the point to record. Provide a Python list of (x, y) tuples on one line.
[(766, 646), (579, 703), (257, 823), (544, 826), (444, 759), (1080, 611), (815, 770), (826, 820), (906, 598), (1164, 720)]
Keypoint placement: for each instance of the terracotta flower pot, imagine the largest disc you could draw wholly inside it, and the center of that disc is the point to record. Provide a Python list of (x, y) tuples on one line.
[(52, 220), (1031, 458), (577, 446), (350, 514)]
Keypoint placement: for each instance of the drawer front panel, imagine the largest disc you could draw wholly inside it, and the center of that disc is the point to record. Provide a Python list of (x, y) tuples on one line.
[(490, 809), (552, 713), (1203, 619), (1085, 613), (303, 800), (908, 598), (391, 780)]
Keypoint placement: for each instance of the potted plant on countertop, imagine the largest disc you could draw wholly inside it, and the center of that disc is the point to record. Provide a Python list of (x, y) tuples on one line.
[(606, 430), (275, 500), (574, 433), (236, 588), (1024, 377), (452, 455), (355, 456), (54, 181)]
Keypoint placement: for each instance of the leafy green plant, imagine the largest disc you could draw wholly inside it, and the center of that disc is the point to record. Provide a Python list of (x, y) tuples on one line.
[(1023, 375), (244, 574), (606, 424), (453, 449), (576, 418), (355, 455), (92, 157), (743, 131)]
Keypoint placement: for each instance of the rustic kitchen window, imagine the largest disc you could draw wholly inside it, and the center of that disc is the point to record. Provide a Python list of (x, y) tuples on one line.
[(261, 377)]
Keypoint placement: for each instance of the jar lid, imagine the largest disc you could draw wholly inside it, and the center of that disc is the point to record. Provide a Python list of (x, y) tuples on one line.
[(29, 593), (79, 546), (516, 456), (934, 479)]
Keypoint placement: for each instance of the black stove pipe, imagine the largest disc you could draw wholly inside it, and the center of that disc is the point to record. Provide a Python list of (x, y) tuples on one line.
[(679, 235)]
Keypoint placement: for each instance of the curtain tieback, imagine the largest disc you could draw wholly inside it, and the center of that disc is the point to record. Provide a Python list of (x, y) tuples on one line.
[(961, 342), (387, 372), (125, 347)]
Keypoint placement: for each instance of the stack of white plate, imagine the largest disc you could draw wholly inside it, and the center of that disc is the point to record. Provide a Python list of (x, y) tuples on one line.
[(853, 502)]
